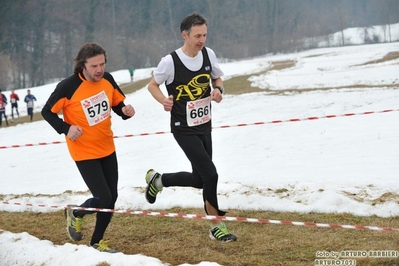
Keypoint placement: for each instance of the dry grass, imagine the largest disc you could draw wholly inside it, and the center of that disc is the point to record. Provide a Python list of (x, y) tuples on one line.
[(177, 241), (21, 120), (388, 57), (240, 84), (132, 87)]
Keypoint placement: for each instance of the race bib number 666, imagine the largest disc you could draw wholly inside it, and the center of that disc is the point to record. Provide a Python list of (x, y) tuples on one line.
[(198, 112), (96, 108)]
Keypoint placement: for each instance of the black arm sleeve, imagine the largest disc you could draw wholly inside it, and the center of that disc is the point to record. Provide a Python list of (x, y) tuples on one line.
[(54, 120), (64, 89), (118, 110)]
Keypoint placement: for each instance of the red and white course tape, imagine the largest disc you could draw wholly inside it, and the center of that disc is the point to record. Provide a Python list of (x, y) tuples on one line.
[(311, 118), (211, 217)]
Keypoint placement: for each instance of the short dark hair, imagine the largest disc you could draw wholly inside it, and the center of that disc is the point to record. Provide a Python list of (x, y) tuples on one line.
[(87, 51), (194, 19)]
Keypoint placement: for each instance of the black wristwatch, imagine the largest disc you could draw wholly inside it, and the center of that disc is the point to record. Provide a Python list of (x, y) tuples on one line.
[(220, 88)]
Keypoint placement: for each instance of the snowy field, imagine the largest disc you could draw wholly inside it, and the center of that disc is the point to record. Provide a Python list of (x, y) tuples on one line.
[(328, 165)]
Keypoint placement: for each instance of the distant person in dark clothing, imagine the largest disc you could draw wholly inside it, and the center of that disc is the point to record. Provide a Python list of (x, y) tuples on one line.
[(29, 98), (14, 98), (3, 103), (131, 71)]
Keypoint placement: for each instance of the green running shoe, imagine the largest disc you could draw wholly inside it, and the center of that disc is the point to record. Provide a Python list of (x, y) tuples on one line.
[(103, 247), (74, 224), (221, 233), (152, 190)]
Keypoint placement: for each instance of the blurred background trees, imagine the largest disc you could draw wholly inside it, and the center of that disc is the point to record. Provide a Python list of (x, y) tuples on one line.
[(39, 38)]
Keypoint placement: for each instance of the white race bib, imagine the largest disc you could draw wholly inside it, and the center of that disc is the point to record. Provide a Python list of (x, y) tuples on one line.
[(13, 100), (198, 111), (96, 108)]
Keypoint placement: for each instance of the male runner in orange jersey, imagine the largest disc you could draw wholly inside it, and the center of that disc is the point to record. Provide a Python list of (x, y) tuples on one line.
[(86, 99)]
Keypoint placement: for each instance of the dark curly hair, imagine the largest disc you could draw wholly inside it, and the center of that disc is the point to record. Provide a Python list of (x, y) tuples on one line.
[(88, 50)]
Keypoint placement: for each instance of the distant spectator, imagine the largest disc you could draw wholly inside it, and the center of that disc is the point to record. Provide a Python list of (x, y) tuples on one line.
[(14, 98), (3, 103), (131, 71), (29, 104)]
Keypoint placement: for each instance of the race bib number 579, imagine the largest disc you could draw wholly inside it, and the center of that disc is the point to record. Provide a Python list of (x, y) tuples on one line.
[(198, 112), (96, 108)]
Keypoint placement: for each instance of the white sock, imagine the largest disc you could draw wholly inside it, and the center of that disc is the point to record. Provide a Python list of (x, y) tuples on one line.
[(158, 182)]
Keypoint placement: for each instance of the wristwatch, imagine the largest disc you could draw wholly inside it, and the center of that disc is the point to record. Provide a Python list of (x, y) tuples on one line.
[(220, 88)]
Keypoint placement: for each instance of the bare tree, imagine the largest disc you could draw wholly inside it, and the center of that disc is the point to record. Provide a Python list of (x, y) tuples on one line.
[(5, 66), (91, 20)]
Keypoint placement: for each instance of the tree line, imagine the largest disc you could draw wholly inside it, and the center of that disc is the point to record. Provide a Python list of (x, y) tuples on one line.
[(39, 38)]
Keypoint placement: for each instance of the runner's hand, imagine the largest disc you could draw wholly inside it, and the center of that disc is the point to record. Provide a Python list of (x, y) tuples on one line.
[(74, 132), (216, 96), (128, 110), (168, 103)]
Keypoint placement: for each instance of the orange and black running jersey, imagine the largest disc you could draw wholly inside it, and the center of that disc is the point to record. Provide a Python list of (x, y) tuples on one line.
[(88, 105)]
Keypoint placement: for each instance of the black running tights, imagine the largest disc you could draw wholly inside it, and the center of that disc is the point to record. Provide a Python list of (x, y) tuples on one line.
[(101, 177), (198, 149)]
